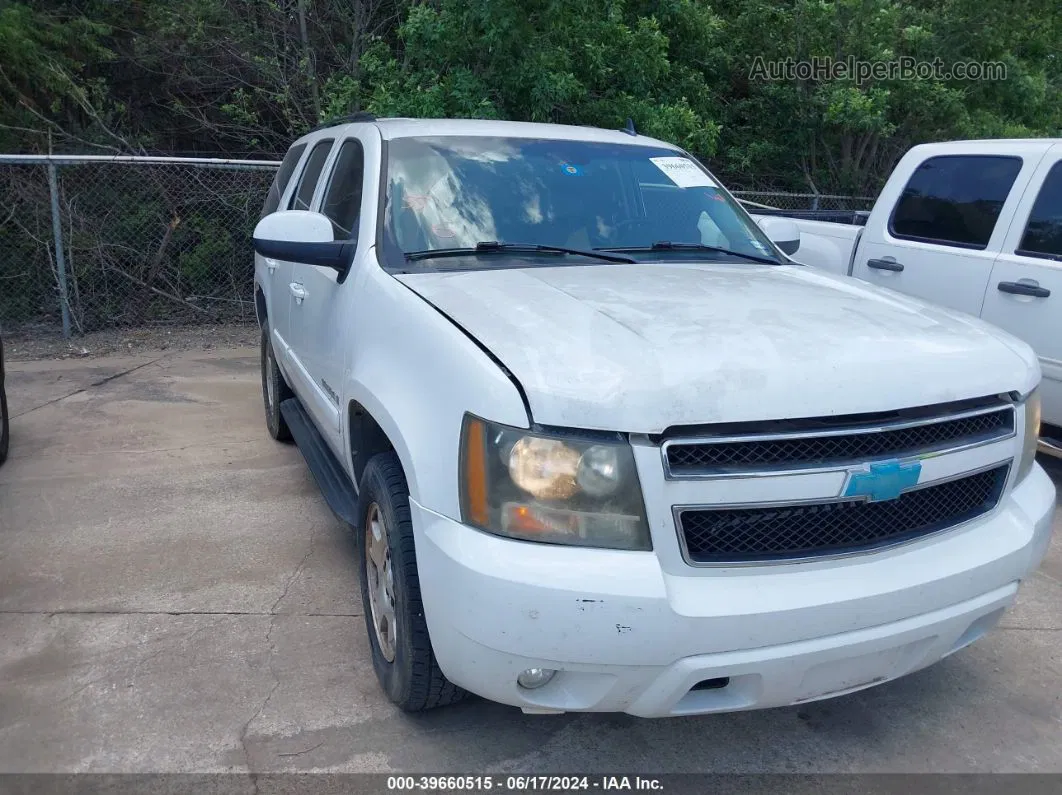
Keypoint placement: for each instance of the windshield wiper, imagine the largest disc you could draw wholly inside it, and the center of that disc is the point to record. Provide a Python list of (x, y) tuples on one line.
[(667, 245), (494, 247)]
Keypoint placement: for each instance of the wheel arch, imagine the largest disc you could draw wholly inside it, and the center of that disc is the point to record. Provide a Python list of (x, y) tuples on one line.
[(261, 311), (366, 438)]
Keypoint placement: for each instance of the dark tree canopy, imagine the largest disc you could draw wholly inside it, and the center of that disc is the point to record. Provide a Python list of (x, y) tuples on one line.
[(239, 78)]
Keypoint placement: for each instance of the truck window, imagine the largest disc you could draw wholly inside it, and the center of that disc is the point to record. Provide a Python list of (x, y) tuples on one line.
[(310, 173), (1043, 233), (280, 181), (454, 192), (954, 200), (342, 201)]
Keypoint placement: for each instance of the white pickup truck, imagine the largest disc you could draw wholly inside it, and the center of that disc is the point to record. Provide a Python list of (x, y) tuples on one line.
[(595, 463), (971, 225)]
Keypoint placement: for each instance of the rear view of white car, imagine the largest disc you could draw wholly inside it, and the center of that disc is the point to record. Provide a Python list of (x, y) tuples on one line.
[(605, 447)]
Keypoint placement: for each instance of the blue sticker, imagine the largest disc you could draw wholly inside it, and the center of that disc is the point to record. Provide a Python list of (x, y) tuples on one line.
[(570, 170)]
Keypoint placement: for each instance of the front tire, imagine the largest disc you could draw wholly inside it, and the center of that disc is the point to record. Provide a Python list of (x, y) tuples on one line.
[(399, 643), (5, 428), (275, 390)]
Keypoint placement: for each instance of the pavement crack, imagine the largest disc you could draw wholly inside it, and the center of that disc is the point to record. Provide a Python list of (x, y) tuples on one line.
[(295, 574), (264, 704), (92, 385), (272, 654), (304, 751)]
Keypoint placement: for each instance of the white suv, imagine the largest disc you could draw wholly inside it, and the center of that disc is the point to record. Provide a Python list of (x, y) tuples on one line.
[(605, 447)]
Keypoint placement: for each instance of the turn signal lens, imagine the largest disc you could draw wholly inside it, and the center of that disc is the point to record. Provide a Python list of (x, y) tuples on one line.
[(1031, 438), (474, 468)]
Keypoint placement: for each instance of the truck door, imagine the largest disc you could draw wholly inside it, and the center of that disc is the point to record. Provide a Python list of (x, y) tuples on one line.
[(940, 238), (302, 199), (1025, 290), (275, 275), (323, 337)]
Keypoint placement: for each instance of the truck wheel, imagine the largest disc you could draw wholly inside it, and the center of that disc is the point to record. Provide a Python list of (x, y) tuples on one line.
[(275, 390), (390, 592), (5, 430)]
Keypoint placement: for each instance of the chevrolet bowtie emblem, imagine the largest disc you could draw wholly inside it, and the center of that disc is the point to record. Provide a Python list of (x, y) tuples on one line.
[(886, 480)]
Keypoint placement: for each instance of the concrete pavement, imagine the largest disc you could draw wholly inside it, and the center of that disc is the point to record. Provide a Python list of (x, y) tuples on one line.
[(176, 596)]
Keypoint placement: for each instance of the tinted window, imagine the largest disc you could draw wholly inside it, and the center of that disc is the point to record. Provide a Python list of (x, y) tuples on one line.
[(342, 202), (280, 181), (955, 199), (1043, 234), (455, 192), (308, 181)]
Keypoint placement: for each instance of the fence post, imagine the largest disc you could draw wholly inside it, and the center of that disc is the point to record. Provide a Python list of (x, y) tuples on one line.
[(60, 256)]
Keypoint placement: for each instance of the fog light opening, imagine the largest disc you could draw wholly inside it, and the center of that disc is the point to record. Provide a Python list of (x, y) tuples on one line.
[(712, 684), (534, 678)]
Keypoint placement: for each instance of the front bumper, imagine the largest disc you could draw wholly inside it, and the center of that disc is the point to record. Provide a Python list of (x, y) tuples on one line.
[(626, 635)]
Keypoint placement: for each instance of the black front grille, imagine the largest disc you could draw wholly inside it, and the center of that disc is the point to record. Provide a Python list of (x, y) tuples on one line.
[(706, 457), (733, 535)]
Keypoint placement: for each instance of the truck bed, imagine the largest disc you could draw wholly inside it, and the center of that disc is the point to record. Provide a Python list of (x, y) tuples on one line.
[(824, 244)]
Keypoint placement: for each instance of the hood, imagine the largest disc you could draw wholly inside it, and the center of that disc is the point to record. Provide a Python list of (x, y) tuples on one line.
[(641, 348)]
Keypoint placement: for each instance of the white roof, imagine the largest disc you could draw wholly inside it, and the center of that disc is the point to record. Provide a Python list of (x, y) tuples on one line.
[(410, 128), (1010, 146)]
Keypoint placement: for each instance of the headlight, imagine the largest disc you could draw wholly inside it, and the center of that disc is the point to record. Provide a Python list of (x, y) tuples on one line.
[(1031, 434), (557, 489)]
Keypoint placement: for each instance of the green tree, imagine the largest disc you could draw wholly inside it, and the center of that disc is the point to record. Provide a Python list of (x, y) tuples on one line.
[(565, 61)]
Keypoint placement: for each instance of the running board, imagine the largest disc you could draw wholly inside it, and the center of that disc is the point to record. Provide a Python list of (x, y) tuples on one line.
[(1051, 447), (338, 491)]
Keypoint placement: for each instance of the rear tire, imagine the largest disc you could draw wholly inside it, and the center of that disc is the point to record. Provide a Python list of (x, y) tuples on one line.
[(402, 655), (275, 390), (5, 427)]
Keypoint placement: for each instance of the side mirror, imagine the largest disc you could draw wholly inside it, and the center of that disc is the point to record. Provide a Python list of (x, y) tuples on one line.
[(782, 231), (303, 237)]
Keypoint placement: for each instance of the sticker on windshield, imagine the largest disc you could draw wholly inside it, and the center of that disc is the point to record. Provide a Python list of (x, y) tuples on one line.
[(683, 172), (570, 170)]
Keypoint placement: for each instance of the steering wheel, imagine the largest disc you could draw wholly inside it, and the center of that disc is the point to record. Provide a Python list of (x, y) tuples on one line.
[(633, 232)]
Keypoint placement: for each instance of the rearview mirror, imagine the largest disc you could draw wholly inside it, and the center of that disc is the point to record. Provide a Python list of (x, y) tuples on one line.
[(782, 231), (303, 237)]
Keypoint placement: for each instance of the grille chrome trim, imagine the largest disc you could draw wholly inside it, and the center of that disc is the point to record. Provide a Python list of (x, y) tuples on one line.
[(677, 510), (839, 464)]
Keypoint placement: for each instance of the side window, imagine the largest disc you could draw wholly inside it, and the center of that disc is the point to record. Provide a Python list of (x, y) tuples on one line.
[(1043, 233), (955, 200), (310, 173), (342, 201), (280, 181)]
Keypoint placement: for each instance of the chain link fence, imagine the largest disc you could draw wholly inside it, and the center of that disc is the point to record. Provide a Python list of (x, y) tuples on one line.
[(93, 243), (803, 201), (96, 243)]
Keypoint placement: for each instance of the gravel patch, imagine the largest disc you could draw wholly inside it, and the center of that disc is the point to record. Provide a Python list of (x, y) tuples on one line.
[(29, 345)]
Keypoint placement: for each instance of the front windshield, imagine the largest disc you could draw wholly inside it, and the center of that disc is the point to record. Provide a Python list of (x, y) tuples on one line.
[(457, 192)]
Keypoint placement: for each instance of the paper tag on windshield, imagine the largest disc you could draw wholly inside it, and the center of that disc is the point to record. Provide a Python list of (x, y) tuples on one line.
[(683, 172)]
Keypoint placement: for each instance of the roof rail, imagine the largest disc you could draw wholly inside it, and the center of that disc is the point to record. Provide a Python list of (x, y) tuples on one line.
[(353, 118)]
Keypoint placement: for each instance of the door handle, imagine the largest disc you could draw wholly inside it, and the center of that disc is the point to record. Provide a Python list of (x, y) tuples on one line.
[(1024, 288), (271, 264), (298, 291), (884, 265)]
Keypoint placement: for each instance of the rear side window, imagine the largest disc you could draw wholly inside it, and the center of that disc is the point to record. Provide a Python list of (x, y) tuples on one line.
[(955, 200), (310, 174), (1043, 233), (342, 201), (280, 181)]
